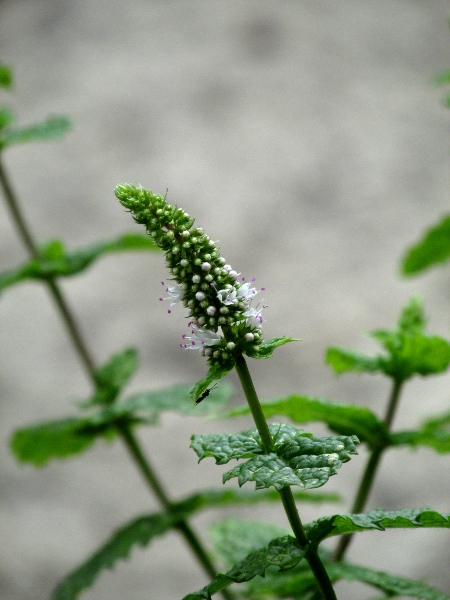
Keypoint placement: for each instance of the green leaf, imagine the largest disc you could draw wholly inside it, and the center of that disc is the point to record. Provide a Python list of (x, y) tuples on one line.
[(64, 438), (378, 519), (408, 350), (342, 360), (55, 262), (112, 377), (389, 584), (298, 458), (434, 433), (56, 439), (6, 117), (283, 553), (300, 580), (6, 76), (342, 418), (177, 398), (432, 250), (54, 128), (266, 349), (141, 532), (214, 374)]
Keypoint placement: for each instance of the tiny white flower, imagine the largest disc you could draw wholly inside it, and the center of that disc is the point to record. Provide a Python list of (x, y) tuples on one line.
[(253, 316), (201, 337), (175, 292)]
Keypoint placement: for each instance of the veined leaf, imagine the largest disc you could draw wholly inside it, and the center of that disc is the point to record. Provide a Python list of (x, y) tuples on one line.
[(283, 553), (408, 349), (56, 262), (297, 458), (342, 418), (432, 250), (63, 438), (378, 519), (387, 583), (266, 349), (54, 128), (301, 580), (434, 433), (141, 532)]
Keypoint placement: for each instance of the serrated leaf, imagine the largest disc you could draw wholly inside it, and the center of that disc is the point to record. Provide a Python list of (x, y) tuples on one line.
[(63, 438), (283, 553), (378, 519), (434, 433), (432, 250), (6, 76), (389, 584), (141, 531), (54, 128), (267, 348), (300, 580), (298, 458), (214, 374), (112, 377), (55, 262), (346, 419), (138, 532), (408, 349)]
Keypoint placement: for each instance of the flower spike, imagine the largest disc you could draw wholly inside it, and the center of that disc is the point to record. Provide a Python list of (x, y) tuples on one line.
[(223, 323)]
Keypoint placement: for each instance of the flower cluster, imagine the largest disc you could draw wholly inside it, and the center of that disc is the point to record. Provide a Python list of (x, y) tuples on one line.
[(223, 321)]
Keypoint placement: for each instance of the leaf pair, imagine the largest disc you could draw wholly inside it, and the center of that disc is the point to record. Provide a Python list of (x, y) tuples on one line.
[(284, 554), (297, 458), (37, 444), (408, 350)]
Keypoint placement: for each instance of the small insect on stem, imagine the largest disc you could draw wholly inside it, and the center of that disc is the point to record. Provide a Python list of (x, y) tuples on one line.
[(205, 394)]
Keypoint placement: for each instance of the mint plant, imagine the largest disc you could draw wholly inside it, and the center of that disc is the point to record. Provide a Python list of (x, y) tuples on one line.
[(281, 461)]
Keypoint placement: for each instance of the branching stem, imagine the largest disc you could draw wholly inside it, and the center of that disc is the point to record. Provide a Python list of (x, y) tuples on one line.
[(370, 471), (76, 337), (287, 497)]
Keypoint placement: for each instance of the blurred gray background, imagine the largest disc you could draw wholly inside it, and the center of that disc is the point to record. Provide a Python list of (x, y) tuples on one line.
[(305, 137)]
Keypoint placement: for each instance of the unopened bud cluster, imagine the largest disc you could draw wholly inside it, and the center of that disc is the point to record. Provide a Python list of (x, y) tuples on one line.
[(212, 291)]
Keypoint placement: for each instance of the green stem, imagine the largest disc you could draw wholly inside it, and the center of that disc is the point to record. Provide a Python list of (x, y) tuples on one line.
[(286, 494), (75, 334), (370, 471), (26, 236)]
